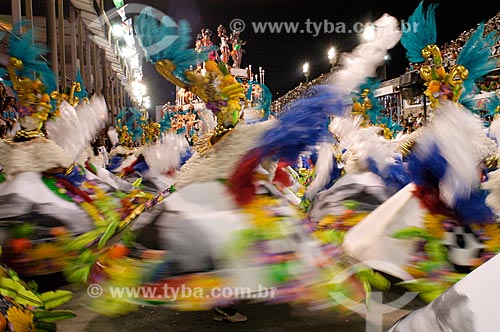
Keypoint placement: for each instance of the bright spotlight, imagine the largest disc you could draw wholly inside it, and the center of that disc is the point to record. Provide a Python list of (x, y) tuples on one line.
[(331, 53), (117, 30), (128, 51), (305, 68)]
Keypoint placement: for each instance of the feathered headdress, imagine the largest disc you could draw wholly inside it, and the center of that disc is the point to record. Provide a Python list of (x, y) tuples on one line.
[(364, 102), (476, 58), (455, 143), (422, 32), (33, 82), (77, 91), (166, 45), (130, 126), (473, 61), (52, 132)]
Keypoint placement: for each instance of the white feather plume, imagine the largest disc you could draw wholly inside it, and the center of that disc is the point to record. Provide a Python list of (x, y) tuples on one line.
[(92, 117), (463, 143), (362, 144), (75, 128), (167, 153), (494, 130), (113, 136), (363, 61), (323, 168), (61, 130), (493, 187)]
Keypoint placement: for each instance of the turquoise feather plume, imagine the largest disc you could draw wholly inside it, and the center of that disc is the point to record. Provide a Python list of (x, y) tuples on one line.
[(371, 84), (82, 93), (421, 32), (266, 100), (131, 117), (21, 47), (476, 58), (492, 104), (165, 123), (163, 39)]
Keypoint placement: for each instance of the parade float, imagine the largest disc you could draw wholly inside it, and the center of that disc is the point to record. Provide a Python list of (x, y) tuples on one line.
[(190, 113)]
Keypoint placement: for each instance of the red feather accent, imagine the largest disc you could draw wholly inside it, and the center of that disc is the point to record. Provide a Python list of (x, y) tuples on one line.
[(129, 169), (241, 184), (282, 177), (429, 198), (67, 185)]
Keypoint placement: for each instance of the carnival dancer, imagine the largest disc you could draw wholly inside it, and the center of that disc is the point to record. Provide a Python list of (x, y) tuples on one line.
[(153, 165), (236, 48), (358, 171), (224, 48), (439, 227), (50, 211)]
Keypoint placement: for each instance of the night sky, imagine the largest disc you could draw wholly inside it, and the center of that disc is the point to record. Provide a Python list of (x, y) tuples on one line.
[(282, 54)]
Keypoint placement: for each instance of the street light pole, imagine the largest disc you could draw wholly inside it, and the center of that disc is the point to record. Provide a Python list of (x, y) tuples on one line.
[(331, 57), (305, 70), (387, 57)]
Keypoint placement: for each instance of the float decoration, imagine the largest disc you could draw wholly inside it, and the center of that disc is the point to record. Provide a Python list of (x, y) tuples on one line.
[(23, 308)]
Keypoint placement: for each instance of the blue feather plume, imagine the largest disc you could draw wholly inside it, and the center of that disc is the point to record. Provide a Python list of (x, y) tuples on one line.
[(476, 58), (163, 39), (314, 156), (185, 156), (473, 209), (421, 32), (430, 170), (427, 172), (141, 166), (394, 176), (304, 125), (114, 163), (298, 130)]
